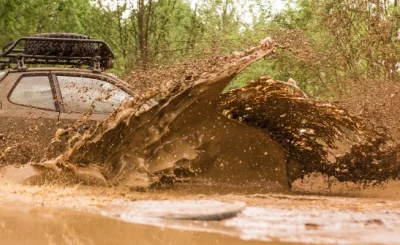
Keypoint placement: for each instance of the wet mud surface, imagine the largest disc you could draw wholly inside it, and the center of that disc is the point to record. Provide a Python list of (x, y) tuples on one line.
[(93, 215), (38, 226)]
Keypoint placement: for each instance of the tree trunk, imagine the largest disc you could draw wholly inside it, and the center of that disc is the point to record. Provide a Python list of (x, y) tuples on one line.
[(143, 19)]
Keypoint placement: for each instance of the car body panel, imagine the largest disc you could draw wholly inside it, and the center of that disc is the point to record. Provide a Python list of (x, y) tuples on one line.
[(26, 132)]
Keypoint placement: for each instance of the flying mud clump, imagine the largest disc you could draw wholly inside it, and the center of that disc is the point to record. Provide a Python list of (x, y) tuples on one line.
[(267, 131)]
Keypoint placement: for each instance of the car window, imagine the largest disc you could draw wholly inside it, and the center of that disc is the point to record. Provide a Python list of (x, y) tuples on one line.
[(33, 91), (79, 93)]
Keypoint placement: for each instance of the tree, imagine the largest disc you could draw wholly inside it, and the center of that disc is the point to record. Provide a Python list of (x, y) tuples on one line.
[(334, 46), (21, 18), (146, 33)]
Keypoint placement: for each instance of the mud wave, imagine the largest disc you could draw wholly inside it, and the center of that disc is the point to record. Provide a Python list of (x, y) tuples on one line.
[(182, 134)]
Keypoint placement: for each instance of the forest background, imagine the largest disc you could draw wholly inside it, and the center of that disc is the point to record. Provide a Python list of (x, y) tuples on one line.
[(332, 48)]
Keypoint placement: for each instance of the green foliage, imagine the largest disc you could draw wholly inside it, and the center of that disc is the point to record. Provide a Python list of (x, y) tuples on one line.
[(20, 18), (348, 45), (253, 72), (332, 46)]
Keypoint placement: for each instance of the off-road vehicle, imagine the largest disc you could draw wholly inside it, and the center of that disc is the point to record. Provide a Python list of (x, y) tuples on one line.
[(36, 101)]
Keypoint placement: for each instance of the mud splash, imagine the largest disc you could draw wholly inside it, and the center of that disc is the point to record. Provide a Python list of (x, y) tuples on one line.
[(267, 133), (137, 146), (321, 137)]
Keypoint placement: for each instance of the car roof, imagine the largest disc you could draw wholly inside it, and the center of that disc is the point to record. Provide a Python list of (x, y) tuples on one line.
[(60, 69), (78, 70)]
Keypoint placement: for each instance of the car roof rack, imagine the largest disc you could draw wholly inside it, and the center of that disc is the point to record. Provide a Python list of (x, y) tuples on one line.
[(97, 55)]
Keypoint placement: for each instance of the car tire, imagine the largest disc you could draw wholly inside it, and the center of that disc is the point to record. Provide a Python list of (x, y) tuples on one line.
[(60, 48)]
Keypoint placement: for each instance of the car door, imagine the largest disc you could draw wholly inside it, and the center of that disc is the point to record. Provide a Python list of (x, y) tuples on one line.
[(29, 115), (81, 92)]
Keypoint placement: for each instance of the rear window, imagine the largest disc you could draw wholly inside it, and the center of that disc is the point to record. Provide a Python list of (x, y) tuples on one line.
[(34, 92)]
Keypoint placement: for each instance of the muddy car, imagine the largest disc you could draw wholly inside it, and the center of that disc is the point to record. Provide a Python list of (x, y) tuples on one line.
[(37, 101)]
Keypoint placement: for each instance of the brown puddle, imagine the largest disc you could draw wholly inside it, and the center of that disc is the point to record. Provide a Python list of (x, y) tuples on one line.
[(40, 226), (87, 215)]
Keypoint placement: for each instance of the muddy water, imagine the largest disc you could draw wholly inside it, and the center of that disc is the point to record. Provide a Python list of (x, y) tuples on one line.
[(38, 226), (93, 215)]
